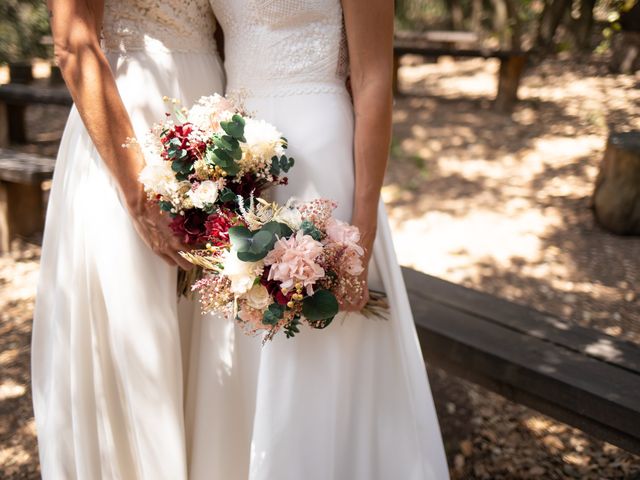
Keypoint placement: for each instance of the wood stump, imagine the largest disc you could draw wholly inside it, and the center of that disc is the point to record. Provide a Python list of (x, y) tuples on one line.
[(511, 69), (625, 48), (616, 197)]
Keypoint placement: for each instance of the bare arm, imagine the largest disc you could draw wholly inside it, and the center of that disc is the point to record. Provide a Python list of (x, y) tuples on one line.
[(76, 25), (369, 29)]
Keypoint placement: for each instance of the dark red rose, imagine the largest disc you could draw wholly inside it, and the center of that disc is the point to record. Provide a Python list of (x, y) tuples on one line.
[(281, 298), (190, 227)]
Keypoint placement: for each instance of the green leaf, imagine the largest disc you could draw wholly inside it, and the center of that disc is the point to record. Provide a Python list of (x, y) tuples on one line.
[(234, 127), (291, 328), (232, 169), (262, 241), (251, 246), (273, 314), (239, 119), (226, 195), (165, 206), (322, 305), (308, 228), (275, 166), (250, 256), (180, 166), (222, 142), (286, 163), (278, 229), (240, 237), (224, 159)]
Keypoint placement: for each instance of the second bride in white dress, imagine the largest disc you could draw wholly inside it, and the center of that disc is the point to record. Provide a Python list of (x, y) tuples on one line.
[(351, 402)]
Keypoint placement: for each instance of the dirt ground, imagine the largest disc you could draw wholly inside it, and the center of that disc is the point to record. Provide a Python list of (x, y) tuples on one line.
[(495, 202)]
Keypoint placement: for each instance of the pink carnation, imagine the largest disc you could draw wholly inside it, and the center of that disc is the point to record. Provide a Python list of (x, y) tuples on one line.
[(341, 232), (292, 260), (352, 261)]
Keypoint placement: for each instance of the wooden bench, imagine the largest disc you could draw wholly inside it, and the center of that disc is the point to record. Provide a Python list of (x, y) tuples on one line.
[(577, 375), (21, 200), (14, 98), (512, 62)]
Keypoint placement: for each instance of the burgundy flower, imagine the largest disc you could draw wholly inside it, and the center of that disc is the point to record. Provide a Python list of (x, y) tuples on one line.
[(217, 227), (273, 287), (195, 148), (190, 227)]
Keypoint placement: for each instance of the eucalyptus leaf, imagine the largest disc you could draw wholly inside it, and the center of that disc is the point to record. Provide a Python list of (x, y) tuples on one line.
[(240, 237), (322, 305), (278, 229)]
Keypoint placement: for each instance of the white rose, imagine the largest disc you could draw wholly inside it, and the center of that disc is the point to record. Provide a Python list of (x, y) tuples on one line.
[(258, 297), (290, 216), (263, 139), (205, 194), (160, 179), (242, 274)]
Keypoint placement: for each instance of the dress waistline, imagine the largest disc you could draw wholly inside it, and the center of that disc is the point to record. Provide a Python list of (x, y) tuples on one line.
[(285, 89)]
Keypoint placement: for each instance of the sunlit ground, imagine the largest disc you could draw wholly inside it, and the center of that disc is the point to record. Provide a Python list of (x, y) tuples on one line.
[(498, 203), (502, 203)]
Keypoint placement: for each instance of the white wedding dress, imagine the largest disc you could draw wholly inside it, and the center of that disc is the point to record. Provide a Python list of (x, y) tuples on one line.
[(127, 383)]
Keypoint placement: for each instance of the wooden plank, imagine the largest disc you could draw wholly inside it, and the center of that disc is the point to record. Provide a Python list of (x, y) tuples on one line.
[(525, 320), (597, 396), (601, 398), (438, 36), (25, 168), (15, 94), (401, 48)]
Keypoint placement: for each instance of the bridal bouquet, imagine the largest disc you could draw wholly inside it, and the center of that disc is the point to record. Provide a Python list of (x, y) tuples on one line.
[(279, 266), (201, 160), (273, 267)]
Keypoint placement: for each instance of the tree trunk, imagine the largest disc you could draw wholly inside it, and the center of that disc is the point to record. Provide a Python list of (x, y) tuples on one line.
[(625, 52), (616, 197), (457, 14), (501, 21), (515, 26), (582, 26), (476, 16), (552, 15)]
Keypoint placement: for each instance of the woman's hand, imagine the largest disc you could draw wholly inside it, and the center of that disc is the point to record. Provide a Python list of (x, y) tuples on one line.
[(369, 29), (153, 227), (357, 303)]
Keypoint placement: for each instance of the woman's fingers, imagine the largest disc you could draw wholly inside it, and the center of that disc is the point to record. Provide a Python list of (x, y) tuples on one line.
[(167, 259)]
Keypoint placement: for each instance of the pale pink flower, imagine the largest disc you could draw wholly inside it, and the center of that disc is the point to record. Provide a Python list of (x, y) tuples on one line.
[(351, 261), (292, 261), (341, 232)]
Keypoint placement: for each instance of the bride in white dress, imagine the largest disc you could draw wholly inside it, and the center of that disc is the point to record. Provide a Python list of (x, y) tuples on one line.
[(129, 385)]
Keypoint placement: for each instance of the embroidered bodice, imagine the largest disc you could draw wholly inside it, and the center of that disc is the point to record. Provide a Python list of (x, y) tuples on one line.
[(283, 46), (158, 25)]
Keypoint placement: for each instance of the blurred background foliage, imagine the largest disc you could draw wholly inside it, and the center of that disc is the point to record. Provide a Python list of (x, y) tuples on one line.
[(546, 26), (24, 30)]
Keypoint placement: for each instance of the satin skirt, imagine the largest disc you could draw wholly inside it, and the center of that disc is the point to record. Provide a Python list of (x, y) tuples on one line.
[(350, 402), (107, 368)]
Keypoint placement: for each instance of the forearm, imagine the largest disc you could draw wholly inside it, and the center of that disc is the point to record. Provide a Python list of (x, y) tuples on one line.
[(96, 97), (75, 25), (372, 105)]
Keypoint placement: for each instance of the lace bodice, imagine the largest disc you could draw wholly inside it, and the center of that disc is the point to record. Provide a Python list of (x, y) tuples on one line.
[(160, 25), (283, 46)]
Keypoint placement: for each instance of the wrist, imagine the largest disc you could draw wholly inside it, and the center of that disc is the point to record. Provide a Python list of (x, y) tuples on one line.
[(135, 199)]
